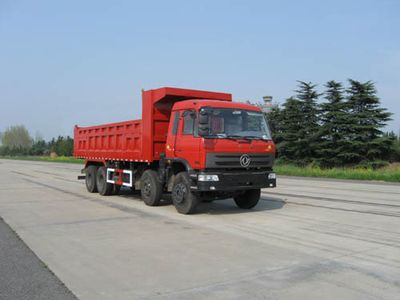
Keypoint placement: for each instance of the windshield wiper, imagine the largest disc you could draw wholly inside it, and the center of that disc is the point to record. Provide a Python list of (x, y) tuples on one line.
[(235, 137), (244, 137), (215, 136), (253, 137)]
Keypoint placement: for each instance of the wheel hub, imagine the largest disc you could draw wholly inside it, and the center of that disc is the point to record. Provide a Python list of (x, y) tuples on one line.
[(180, 192), (147, 188)]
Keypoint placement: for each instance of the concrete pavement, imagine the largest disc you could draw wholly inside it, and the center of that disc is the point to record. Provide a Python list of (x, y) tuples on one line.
[(307, 239)]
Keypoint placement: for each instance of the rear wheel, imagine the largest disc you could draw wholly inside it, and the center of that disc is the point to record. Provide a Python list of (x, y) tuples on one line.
[(90, 179), (103, 186), (248, 199), (150, 188), (185, 201)]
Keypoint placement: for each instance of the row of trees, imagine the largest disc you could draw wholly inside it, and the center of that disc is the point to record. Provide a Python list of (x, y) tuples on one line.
[(17, 141), (343, 130)]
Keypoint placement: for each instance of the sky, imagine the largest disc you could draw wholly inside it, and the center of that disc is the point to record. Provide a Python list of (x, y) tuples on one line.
[(85, 62)]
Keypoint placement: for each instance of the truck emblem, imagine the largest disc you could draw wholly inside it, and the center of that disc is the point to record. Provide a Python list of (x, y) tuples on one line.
[(245, 160)]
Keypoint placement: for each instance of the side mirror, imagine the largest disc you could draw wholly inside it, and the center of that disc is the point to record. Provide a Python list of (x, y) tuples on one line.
[(203, 123)]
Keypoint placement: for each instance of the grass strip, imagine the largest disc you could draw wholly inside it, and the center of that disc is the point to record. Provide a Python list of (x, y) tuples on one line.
[(60, 159), (390, 173)]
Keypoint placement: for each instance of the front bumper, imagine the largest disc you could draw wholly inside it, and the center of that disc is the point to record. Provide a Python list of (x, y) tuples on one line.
[(233, 181)]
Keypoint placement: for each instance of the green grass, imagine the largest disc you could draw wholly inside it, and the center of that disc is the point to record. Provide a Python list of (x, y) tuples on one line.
[(390, 173), (61, 159)]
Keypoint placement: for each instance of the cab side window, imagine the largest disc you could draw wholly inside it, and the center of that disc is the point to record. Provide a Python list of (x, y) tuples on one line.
[(175, 124), (188, 122)]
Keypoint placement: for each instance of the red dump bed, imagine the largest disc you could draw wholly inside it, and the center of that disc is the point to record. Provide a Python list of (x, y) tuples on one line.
[(137, 140), (115, 141)]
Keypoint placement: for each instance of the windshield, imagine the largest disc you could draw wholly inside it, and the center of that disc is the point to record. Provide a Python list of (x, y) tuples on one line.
[(237, 124)]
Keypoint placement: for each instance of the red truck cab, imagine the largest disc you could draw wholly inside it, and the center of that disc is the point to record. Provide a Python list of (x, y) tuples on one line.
[(196, 145)]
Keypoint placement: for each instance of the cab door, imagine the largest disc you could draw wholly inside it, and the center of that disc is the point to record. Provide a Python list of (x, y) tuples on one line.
[(172, 134), (187, 142)]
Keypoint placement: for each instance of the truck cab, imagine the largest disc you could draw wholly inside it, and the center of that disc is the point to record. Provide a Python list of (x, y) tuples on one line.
[(226, 149)]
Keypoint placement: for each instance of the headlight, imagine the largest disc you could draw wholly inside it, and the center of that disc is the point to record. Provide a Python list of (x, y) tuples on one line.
[(271, 176), (203, 177)]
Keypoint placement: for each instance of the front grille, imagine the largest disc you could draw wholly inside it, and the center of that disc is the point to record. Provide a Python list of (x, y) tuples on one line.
[(232, 160)]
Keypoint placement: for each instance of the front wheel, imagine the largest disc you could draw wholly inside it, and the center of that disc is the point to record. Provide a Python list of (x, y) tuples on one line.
[(248, 199), (184, 200)]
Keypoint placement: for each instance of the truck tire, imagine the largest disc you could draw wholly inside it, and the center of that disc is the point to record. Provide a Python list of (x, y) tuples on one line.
[(105, 188), (90, 179), (184, 200), (248, 199), (150, 188)]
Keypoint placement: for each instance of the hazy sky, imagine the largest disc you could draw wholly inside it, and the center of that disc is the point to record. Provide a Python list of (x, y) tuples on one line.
[(85, 62)]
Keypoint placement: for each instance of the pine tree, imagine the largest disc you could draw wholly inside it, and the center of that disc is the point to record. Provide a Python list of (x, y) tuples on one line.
[(308, 131), (367, 143), (394, 153), (334, 131), (274, 117), (289, 147)]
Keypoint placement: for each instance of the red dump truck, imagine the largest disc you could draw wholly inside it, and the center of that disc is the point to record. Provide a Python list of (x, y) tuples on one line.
[(195, 145)]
